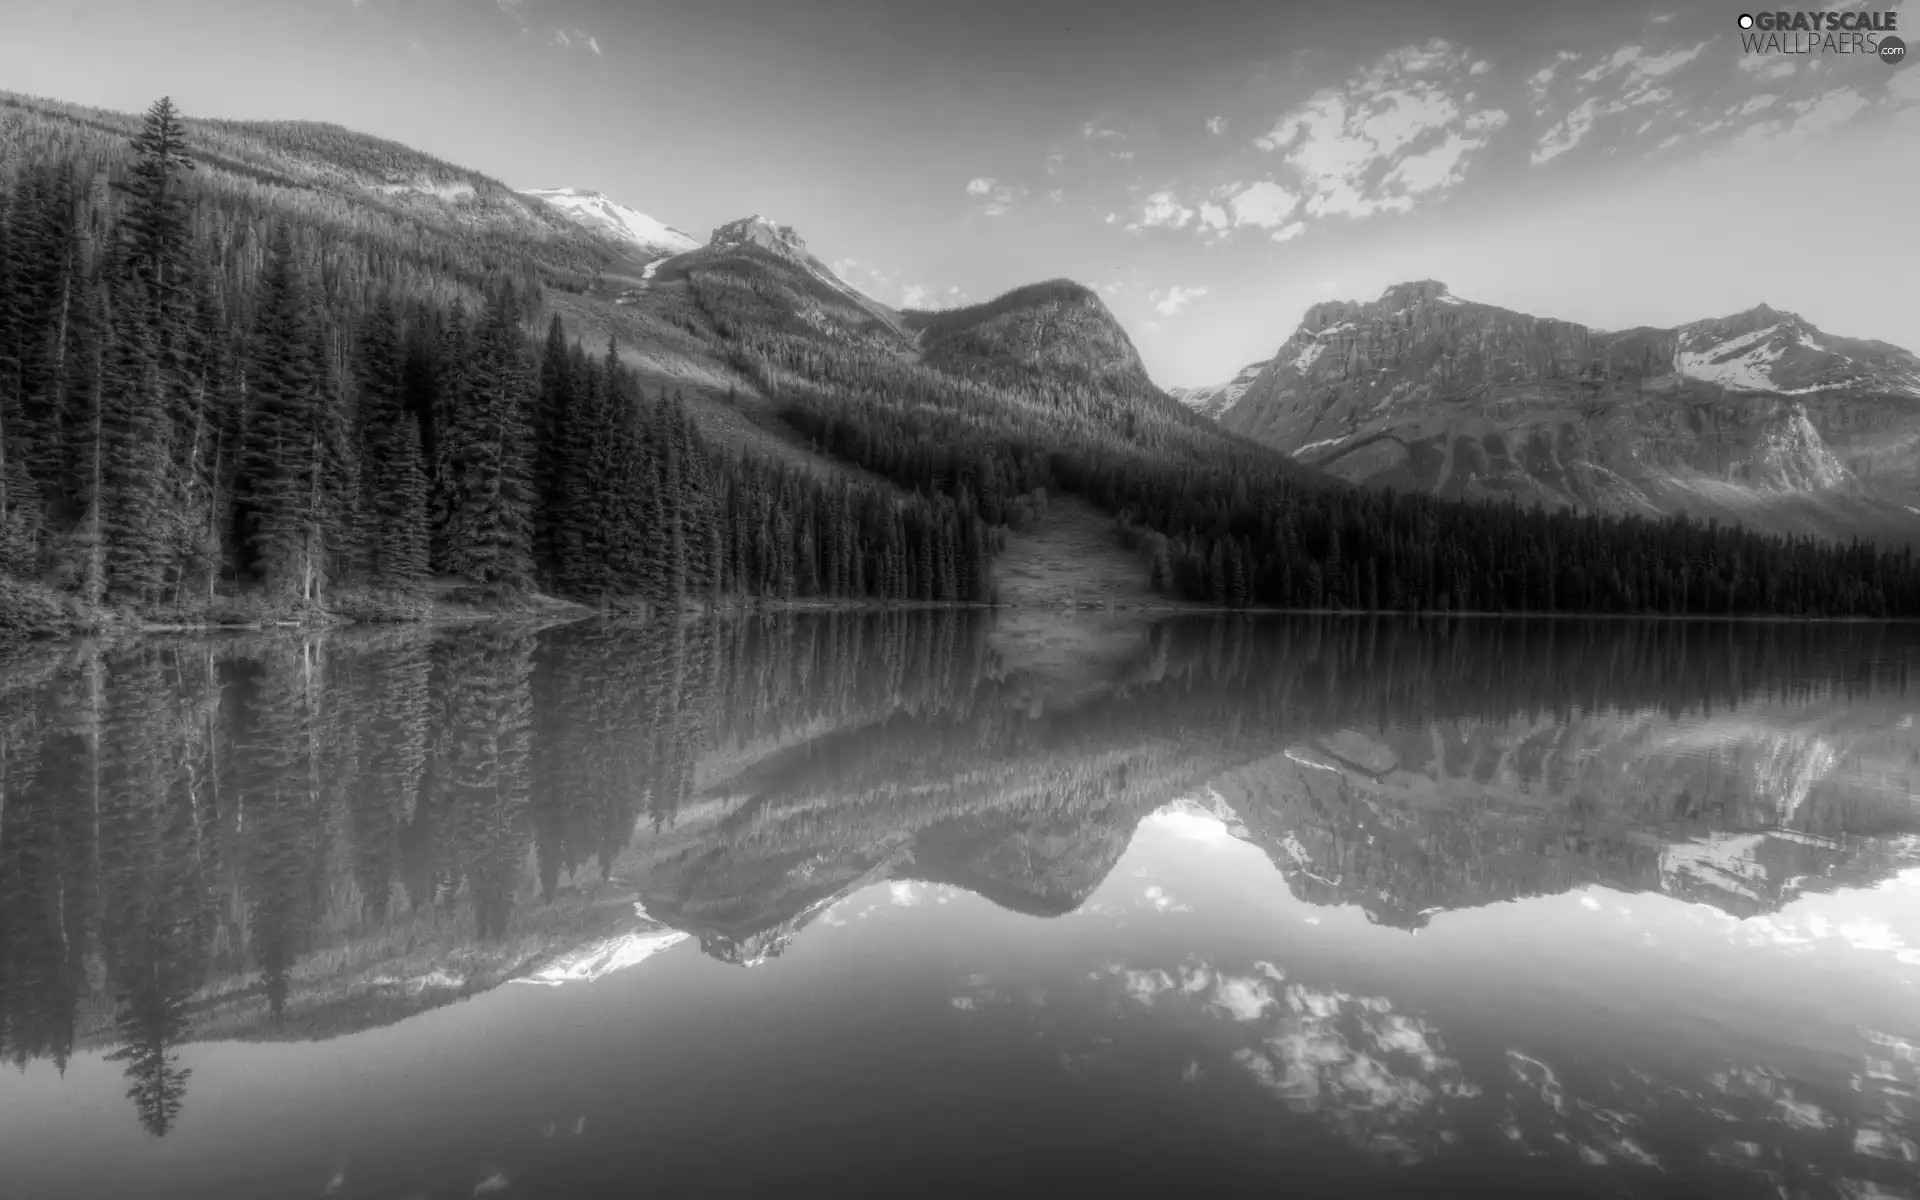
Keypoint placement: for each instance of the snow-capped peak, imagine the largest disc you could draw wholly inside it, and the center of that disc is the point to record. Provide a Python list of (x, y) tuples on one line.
[(596, 212), (1767, 350)]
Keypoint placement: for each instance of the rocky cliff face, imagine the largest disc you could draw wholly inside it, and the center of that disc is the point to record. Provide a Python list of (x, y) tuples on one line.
[(764, 233), (1758, 417)]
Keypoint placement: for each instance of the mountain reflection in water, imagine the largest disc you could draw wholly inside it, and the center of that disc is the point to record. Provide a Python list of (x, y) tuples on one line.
[(1357, 906)]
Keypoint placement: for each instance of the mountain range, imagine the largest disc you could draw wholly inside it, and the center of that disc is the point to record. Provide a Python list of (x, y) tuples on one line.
[(1757, 418)]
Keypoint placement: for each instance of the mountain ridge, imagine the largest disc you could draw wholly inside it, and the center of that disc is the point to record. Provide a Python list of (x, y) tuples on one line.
[(1758, 416)]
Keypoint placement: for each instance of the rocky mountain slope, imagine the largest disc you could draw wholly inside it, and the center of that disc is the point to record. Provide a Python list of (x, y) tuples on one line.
[(1758, 417)]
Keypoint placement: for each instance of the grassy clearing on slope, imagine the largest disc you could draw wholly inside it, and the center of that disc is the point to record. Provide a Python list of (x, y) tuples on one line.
[(1077, 606), (1073, 559)]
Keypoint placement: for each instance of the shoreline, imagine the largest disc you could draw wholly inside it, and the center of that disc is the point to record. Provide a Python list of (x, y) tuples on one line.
[(570, 613), (71, 622)]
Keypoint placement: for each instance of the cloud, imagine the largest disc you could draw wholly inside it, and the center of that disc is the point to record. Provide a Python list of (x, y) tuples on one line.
[(1665, 64), (1541, 82), (1618, 61), (1565, 135), (570, 37), (1626, 79), (1352, 145), (1287, 233), (914, 295), (1812, 117), (1265, 204), (1766, 66), (996, 198), (1055, 163), (1213, 217), (1172, 300), (1104, 142), (1905, 87), (1164, 211), (1443, 166), (1216, 125)]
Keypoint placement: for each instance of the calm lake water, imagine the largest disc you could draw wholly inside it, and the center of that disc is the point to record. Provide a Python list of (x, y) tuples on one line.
[(949, 904)]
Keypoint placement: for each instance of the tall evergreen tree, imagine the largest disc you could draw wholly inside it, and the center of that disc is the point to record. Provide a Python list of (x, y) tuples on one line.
[(490, 498), (393, 466), (279, 506)]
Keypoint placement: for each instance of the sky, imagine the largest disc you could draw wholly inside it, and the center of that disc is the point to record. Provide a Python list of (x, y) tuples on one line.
[(1213, 167)]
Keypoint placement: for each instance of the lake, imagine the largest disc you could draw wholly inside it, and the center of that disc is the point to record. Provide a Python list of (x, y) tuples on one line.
[(937, 902)]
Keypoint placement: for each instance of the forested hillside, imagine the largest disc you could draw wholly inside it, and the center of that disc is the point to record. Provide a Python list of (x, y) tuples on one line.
[(279, 369), (227, 386)]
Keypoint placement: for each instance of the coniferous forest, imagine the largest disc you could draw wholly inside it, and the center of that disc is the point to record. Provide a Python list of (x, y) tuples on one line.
[(208, 401), (221, 395)]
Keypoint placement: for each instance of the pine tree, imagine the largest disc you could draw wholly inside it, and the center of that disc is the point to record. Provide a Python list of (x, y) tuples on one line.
[(555, 408), (278, 493), (394, 469), (134, 457), (490, 500)]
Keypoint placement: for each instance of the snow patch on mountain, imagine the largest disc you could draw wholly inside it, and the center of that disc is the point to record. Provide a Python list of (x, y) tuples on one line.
[(1741, 363), (602, 215), (1322, 443), (1304, 359)]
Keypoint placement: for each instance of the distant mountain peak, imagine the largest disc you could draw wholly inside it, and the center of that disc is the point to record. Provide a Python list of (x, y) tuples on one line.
[(595, 211), (763, 232), (1210, 400), (1418, 290)]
